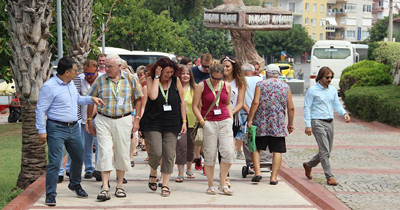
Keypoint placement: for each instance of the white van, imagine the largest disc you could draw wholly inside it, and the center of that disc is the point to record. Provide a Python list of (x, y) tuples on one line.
[(137, 58)]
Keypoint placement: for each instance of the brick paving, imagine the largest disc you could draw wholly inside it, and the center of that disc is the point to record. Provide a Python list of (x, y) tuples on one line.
[(365, 160)]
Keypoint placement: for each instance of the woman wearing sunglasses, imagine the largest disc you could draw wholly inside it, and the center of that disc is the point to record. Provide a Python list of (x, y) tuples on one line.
[(217, 125)]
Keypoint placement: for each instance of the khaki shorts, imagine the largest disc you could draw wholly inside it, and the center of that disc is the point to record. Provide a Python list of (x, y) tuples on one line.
[(218, 135)]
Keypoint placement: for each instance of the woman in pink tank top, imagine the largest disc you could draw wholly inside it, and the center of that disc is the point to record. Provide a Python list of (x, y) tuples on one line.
[(217, 125)]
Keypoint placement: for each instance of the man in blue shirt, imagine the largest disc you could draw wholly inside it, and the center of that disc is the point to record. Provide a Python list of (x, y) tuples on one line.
[(319, 103), (202, 72), (59, 99)]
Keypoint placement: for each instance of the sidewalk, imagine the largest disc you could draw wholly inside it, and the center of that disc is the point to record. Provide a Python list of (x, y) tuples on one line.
[(294, 191)]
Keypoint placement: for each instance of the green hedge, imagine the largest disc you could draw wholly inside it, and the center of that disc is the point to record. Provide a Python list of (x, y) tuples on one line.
[(380, 103), (387, 53), (364, 73)]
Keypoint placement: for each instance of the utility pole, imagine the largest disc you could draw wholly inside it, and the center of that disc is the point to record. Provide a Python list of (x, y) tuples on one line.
[(390, 29), (59, 31)]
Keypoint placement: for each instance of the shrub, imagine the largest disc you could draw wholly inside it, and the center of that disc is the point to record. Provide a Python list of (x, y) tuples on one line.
[(380, 103), (364, 73), (371, 48), (387, 53)]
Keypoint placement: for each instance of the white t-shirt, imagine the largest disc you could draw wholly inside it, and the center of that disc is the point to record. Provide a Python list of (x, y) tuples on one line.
[(85, 87), (251, 89)]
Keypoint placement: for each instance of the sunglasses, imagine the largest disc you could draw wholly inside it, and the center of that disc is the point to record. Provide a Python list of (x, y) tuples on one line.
[(214, 78), (205, 67), (329, 77), (89, 74)]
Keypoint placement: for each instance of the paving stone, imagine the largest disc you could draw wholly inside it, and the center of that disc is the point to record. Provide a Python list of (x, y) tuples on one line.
[(370, 201)]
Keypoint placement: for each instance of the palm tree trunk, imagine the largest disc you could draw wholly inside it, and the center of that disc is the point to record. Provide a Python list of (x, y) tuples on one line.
[(29, 22), (78, 21)]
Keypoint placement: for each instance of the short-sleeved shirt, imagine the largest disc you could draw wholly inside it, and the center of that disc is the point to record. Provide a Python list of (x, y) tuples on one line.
[(198, 75), (103, 88), (270, 115)]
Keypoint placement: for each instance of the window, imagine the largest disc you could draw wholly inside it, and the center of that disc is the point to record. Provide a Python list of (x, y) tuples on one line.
[(367, 8), (349, 7), (350, 34), (314, 7), (322, 8), (364, 34), (306, 21), (307, 6), (292, 7), (380, 3), (313, 36), (331, 53), (322, 23), (321, 36), (314, 22)]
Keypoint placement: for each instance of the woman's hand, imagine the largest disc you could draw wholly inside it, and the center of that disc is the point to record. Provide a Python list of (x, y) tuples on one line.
[(249, 124), (290, 128), (184, 129), (203, 123), (158, 71)]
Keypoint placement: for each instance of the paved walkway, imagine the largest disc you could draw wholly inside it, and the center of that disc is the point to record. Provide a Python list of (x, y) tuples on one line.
[(365, 160)]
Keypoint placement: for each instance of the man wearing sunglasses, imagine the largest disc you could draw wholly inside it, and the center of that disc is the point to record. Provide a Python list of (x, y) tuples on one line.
[(87, 78), (202, 72), (319, 103)]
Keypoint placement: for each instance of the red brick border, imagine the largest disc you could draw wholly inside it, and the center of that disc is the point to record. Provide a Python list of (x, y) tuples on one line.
[(320, 196)]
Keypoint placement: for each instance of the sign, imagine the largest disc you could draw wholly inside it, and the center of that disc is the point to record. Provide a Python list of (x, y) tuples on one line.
[(359, 34)]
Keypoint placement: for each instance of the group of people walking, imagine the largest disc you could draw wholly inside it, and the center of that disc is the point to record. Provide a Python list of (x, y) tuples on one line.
[(164, 101)]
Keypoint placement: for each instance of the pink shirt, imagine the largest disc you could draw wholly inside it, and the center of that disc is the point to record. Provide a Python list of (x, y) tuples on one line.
[(207, 98)]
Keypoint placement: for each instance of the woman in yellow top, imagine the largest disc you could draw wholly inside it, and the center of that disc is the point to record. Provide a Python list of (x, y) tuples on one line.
[(184, 145), (290, 74)]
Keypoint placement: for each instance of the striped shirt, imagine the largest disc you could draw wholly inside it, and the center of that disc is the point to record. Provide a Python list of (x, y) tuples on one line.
[(77, 83), (112, 93)]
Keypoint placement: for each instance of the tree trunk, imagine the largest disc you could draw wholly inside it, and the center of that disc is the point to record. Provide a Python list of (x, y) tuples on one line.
[(29, 23), (78, 21), (396, 79), (244, 47)]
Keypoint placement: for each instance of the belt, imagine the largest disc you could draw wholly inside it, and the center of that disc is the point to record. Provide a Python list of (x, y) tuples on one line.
[(64, 123), (326, 120), (115, 117)]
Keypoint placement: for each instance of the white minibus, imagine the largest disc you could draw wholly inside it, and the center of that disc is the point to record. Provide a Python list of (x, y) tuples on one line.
[(334, 54)]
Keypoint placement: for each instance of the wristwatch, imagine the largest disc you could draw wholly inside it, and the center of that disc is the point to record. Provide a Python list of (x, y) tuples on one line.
[(157, 77)]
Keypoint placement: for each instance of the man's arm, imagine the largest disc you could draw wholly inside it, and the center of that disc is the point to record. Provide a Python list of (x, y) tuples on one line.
[(307, 111), (44, 102), (339, 108)]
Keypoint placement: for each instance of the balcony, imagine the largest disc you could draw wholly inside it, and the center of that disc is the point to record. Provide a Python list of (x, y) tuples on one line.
[(330, 28), (331, 1), (377, 9)]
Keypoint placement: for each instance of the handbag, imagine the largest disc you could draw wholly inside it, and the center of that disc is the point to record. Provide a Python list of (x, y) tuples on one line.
[(251, 138), (197, 133)]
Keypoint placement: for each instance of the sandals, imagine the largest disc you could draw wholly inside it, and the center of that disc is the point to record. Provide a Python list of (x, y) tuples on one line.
[(190, 174), (179, 179), (103, 195), (168, 193), (132, 163), (153, 186), (120, 192), (135, 154), (256, 178), (225, 190), (211, 191), (228, 184), (147, 159)]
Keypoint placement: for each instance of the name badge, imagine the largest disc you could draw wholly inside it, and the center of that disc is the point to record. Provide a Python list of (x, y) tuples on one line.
[(120, 102), (167, 107), (217, 111)]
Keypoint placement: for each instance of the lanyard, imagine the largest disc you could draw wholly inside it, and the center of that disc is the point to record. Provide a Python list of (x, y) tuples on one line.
[(187, 94), (213, 91), (113, 88), (162, 92)]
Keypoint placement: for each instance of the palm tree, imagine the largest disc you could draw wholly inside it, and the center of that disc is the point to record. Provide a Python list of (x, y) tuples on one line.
[(78, 21), (29, 22)]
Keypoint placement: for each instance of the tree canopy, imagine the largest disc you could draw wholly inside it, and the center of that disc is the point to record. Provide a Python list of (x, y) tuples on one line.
[(294, 41), (379, 31)]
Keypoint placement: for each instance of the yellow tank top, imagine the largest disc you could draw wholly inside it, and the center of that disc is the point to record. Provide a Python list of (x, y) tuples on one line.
[(188, 97)]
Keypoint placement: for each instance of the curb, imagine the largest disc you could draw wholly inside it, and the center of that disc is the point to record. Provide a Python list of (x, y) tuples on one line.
[(316, 193)]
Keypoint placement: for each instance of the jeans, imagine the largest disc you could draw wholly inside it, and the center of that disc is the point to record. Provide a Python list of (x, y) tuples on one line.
[(88, 148), (68, 164), (59, 136)]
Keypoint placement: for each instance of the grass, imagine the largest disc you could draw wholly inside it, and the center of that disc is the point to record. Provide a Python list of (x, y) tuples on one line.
[(10, 158)]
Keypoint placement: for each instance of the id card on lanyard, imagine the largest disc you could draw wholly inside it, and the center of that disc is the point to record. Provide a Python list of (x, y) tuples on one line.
[(217, 111), (120, 100), (166, 107)]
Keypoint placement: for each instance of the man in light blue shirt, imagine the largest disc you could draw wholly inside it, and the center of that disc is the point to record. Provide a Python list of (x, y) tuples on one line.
[(319, 103), (59, 99)]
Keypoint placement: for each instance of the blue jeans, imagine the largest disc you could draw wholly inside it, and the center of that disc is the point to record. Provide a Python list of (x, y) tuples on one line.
[(59, 136), (68, 165), (88, 148)]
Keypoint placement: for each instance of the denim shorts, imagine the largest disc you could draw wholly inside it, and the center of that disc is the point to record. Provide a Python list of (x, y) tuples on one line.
[(241, 135)]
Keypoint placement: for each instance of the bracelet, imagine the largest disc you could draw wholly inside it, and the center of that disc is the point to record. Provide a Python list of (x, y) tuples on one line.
[(202, 120), (88, 119), (138, 117), (184, 121)]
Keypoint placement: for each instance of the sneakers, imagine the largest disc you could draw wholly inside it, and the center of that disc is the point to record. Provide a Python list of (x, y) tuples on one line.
[(332, 181), (197, 165), (81, 193), (239, 155), (50, 200), (60, 179), (88, 175), (97, 175)]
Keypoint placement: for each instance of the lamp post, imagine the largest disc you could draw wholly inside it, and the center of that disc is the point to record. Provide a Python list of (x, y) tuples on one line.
[(390, 28), (59, 31)]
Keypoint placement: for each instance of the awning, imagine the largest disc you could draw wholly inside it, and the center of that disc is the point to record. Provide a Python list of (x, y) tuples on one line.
[(331, 21)]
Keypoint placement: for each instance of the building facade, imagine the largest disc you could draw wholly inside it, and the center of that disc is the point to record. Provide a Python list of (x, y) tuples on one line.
[(380, 9)]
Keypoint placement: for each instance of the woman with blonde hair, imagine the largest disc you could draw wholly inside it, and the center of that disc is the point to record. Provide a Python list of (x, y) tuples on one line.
[(215, 117)]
